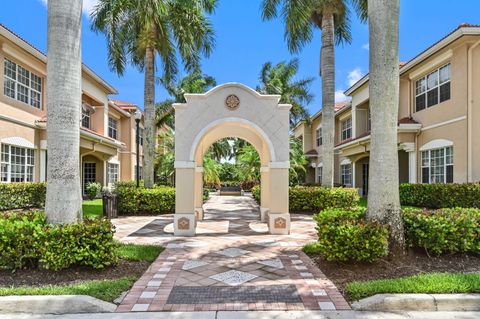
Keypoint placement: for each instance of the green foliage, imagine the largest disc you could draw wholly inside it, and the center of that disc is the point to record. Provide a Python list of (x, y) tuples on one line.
[(248, 163), (165, 159), (440, 195), (22, 195), (92, 208), (434, 283), (211, 172), (298, 162), (248, 185), (344, 235), (138, 252), (107, 290), (93, 189), (89, 243), (316, 198), (446, 230), (256, 193), (26, 240), (229, 172), (206, 194), (141, 201)]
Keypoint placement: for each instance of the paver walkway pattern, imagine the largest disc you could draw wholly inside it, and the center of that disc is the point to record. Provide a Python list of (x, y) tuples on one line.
[(232, 264)]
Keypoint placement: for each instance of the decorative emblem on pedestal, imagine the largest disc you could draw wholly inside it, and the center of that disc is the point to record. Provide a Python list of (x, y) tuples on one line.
[(183, 223), (232, 102), (280, 223)]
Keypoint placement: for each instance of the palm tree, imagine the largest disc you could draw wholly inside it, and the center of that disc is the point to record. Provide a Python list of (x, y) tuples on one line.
[(139, 30), (195, 82), (332, 18), (164, 162), (279, 79), (383, 195), (248, 162), (64, 90), (298, 161), (211, 172)]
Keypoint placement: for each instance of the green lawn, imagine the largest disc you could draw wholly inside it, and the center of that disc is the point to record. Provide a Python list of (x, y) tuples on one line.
[(423, 283), (107, 290), (92, 208)]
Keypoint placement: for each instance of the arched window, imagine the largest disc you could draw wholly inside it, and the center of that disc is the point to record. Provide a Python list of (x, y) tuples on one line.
[(437, 161)]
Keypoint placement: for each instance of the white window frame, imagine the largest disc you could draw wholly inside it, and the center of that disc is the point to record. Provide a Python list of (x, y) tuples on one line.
[(28, 163), (319, 137), (86, 115), (426, 163), (319, 173), (30, 88), (113, 128), (343, 175), (425, 89), (346, 125), (113, 172)]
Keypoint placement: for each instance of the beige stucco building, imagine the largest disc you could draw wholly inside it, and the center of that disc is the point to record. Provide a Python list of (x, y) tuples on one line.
[(438, 116), (108, 128)]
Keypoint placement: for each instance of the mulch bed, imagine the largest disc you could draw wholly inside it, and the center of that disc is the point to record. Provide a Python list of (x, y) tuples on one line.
[(414, 262), (40, 277)]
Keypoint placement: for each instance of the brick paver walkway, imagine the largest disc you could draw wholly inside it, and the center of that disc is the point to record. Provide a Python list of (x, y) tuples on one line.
[(232, 264)]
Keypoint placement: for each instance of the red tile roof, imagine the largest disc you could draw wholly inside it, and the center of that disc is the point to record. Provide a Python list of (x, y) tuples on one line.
[(124, 105), (407, 120), (341, 105), (311, 152)]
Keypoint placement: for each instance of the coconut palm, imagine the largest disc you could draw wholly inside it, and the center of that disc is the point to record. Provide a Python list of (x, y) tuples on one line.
[(279, 79), (138, 31), (64, 90), (332, 17), (298, 161), (195, 82), (164, 162), (383, 195)]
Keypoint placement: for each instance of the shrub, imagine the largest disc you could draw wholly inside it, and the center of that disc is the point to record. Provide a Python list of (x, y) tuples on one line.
[(248, 185), (312, 199), (344, 235), (26, 240), (137, 201), (22, 195), (440, 195), (206, 194), (447, 230), (93, 189), (89, 243)]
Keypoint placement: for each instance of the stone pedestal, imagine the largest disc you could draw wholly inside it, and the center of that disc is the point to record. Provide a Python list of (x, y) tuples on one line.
[(264, 214), (279, 223), (184, 224)]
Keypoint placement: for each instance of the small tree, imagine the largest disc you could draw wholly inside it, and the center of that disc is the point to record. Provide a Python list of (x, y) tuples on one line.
[(93, 189)]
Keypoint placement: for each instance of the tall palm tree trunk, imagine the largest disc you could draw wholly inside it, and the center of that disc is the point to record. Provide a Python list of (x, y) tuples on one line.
[(327, 72), (64, 89), (383, 194), (149, 108)]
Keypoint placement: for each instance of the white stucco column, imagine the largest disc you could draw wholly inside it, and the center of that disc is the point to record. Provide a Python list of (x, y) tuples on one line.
[(43, 161), (412, 161), (184, 218), (199, 192), (354, 173), (264, 192), (278, 215)]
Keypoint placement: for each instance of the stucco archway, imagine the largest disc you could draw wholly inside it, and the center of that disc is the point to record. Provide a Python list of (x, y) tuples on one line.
[(231, 110)]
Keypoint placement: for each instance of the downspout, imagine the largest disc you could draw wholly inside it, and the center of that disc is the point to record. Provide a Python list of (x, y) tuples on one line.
[(469, 112)]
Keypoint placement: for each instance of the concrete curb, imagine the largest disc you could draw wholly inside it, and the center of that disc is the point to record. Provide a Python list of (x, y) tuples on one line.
[(61, 304), (419, 302)]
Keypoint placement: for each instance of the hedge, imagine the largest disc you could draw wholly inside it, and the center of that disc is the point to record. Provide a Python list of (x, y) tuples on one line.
[(22, 195), (26, 240), (344, 235), (144, 201), (447, 230), (316, 198), (440, 195)]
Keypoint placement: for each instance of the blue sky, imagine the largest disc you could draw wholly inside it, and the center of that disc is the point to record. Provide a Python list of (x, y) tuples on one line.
[(244, 42)]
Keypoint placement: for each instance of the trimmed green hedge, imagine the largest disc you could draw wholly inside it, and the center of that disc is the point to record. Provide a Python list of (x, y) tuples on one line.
[(440, 195), (448, 230), (344, 235), (22, 195), (144, 201), (316, 198), (26, 240)]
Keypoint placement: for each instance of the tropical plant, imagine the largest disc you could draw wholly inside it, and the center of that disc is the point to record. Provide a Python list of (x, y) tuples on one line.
[(383, 194), (140, 30), (211, 172), (221, 149), (195, 82), (332, 17), (248, 163), (298, 161), (92, 190), (64, 91), (165, 160), (279, 79)]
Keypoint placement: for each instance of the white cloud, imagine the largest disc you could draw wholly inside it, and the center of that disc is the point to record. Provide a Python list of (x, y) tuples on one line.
[(366, 46), (354, 75), (339, 96), (88, 5)]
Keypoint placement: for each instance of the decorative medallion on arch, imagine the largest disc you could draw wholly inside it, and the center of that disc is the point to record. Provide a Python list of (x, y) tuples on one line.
[(258, 119)]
